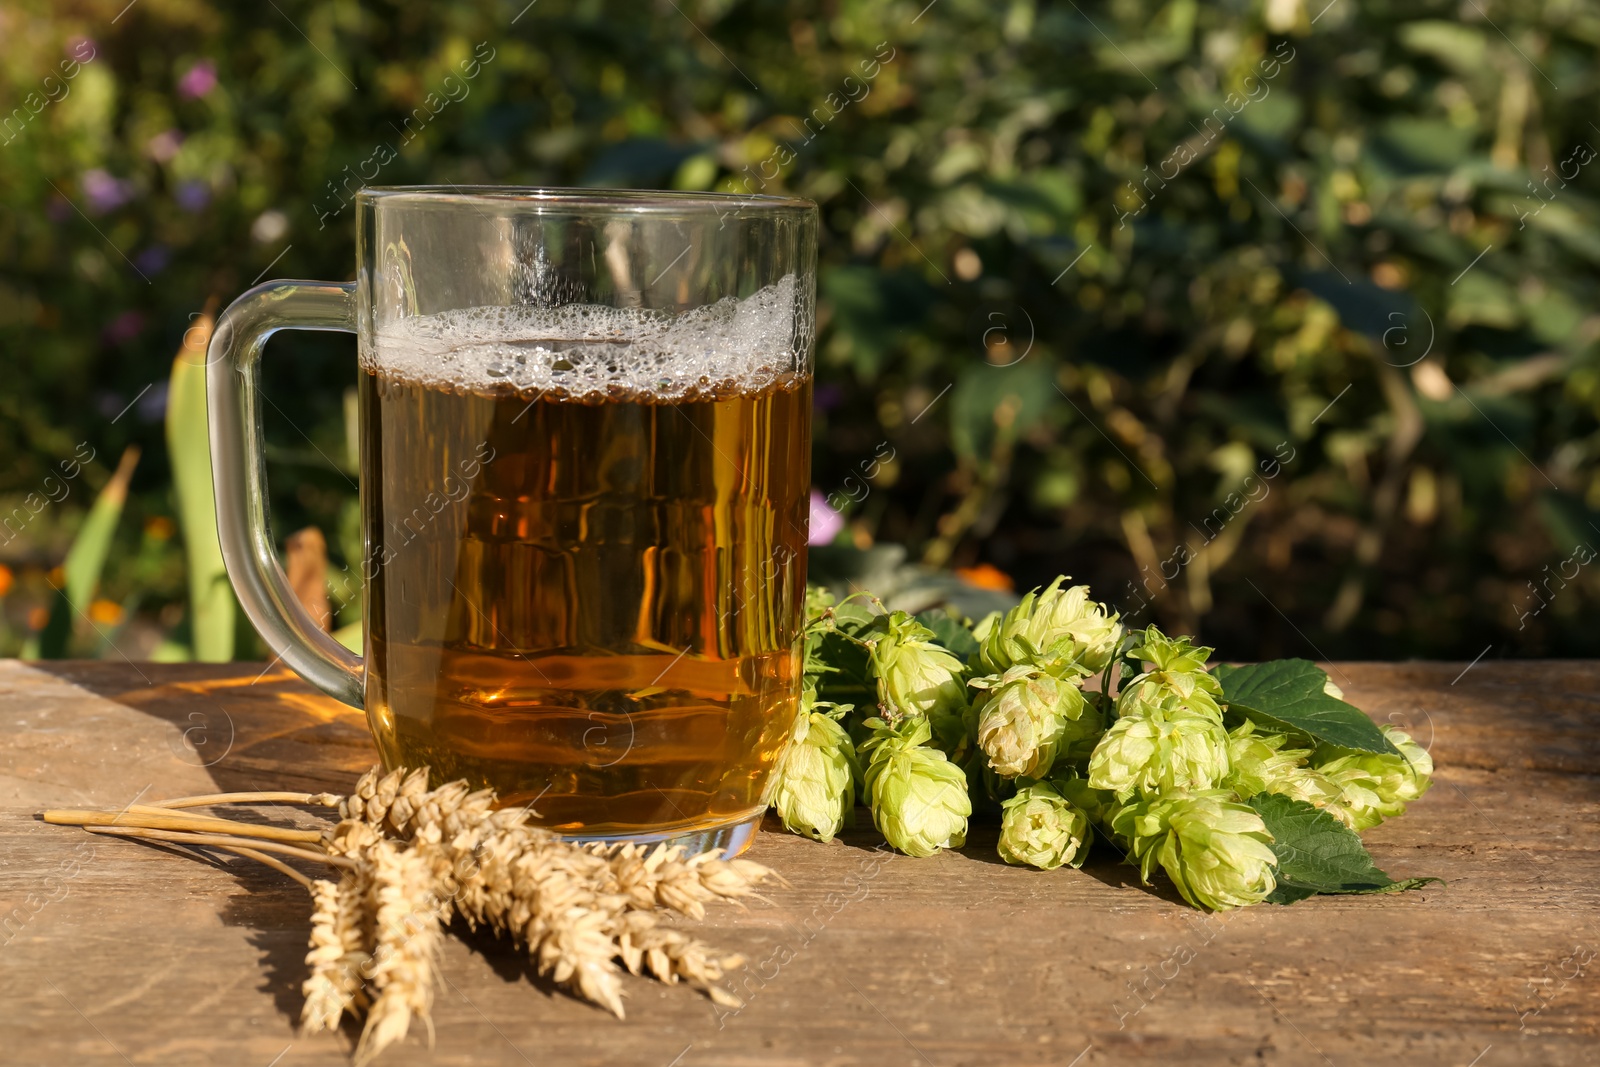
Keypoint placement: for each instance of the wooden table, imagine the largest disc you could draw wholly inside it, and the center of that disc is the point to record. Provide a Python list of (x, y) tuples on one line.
[(115, 952)]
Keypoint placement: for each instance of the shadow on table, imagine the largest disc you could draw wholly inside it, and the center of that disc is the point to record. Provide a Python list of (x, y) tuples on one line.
[(245, 728), (249, 726), (277, 914), (1105, 864)]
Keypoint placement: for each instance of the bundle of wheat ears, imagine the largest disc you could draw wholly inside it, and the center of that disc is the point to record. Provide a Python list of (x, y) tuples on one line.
[(410, 859)]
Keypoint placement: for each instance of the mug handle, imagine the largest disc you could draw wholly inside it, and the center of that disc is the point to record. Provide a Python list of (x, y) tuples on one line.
[(239, 473)]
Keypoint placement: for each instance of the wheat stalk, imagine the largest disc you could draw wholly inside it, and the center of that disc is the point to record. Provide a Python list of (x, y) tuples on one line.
[(262, 857), (340, 949), (412, 858), (154, 818), (564, 903), (409, 936), (223, 841), (326, 800)]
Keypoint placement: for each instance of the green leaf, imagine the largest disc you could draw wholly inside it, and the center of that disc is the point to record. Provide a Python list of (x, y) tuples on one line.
[(855, 619), (1418, 144), (211, 602), (1288, 694), (950, 633), (1287, 893), (981, 389), (350, 637), (1461, 48), (1319, 854), (86, 559), (1396, 887), (840, 668), (1315, 850), (92, 545)]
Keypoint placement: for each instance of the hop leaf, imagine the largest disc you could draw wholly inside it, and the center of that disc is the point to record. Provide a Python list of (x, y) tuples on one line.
[(918, 797), (815, 791), (1156, 748), (1374, 786), (1026, 717), (1216, 850), (1060, 631), (918, 677), (836, 661), (1040, 828)]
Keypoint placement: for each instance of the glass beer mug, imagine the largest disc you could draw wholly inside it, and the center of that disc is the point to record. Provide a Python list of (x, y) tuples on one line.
[(585, 441)]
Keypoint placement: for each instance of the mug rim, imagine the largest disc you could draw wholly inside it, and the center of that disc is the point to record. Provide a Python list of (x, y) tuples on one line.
[(602, 199)]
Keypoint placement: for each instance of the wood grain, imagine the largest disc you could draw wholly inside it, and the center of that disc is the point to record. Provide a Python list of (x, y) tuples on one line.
[(114, 952)]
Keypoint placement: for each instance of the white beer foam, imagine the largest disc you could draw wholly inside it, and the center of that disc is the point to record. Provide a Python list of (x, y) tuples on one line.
[(587, 351)]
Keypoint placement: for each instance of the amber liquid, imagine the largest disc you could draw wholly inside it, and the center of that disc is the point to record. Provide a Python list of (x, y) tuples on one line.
[(593, 607)]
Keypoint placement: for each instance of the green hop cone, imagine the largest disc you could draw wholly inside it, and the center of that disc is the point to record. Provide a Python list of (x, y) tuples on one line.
[(919, 677), (1057, 630), (1315, 788), (1098, 804), (1259, 763), (1169, 655), (1084, 733), (815, 792), (1025, 717), (1041, 828), (918, 796), (1177, 675), (1160, 749), (1215, 849), (1374, 786)]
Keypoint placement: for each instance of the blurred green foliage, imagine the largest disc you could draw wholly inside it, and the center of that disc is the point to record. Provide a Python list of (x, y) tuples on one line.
[(1292, 305)]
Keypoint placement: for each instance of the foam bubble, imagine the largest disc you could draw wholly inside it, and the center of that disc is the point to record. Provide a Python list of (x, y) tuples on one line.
[(586, 351)]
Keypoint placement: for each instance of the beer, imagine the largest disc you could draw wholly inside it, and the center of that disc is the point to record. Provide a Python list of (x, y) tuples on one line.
[(586, 557)]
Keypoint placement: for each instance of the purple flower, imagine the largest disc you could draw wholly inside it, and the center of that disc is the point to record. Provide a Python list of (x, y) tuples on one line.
[(198, 80), (153, 404), (153, 260), (827, 397), (192, 195), (104, 192), (825, 522), (125, 327)]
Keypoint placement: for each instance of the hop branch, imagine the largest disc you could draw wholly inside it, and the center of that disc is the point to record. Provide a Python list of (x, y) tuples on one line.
[(995, 714)]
